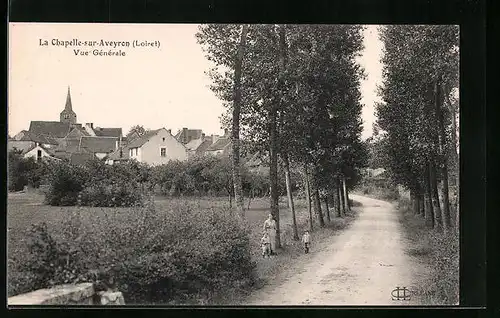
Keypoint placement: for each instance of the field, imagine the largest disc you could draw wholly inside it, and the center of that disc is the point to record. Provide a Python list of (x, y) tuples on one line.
[(25, 209)]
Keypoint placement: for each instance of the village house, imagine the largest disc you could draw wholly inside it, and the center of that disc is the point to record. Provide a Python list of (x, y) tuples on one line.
[(187, 135), (197, 147), (66, 139), (39, 153), (199, 144), (155, 147), (100, 147), (220, 145)]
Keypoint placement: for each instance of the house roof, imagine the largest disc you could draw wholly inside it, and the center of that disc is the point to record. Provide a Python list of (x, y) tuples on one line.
[(188, 135), (138, 142), (29, 136), (80, 158), (24, 146), (220, 144), (77, 132), (194, 144), (54, 129), (98, 144), (25, 135), (203, 147), (108, 132), (115, 155)]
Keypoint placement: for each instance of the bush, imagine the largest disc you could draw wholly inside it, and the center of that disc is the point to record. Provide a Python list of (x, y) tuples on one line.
[(22, 171), (96, 184), (66, 181), (151, 256), (102, 194)]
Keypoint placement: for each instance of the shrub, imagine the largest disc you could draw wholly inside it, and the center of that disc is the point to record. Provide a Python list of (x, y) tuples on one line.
[(66, 181), (151, 256), (102, 194), (22, 171)]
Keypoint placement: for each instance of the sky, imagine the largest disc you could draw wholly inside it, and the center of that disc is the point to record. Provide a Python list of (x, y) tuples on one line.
[(154, 86)]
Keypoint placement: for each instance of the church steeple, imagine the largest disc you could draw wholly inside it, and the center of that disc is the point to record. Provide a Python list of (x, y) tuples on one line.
[(68, 101), (68, 115)]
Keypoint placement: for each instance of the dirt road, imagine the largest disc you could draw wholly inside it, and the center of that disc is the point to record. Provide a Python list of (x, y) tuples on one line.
[(360, 266)]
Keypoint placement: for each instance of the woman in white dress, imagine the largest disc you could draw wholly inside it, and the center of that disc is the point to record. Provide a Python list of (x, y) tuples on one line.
[(270, 227)]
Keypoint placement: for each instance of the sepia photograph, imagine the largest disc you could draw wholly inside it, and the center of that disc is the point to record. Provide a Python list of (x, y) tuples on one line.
[(233, 164)]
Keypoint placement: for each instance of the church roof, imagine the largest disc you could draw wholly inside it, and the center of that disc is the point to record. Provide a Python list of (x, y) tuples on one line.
[(55, 129)]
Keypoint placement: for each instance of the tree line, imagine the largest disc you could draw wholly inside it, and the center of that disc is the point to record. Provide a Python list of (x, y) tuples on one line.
[(292, 93), (417, 121)]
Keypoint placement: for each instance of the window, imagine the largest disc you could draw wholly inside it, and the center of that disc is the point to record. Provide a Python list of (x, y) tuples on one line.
[(38, 155), (163, 138), (130, 152), (163, 152)]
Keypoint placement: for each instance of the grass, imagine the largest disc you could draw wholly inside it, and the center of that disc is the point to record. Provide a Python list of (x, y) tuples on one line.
[(25, 209), (438, 253)]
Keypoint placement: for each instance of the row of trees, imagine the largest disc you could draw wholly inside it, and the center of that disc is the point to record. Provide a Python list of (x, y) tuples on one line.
[(417, 122), (292, 93)]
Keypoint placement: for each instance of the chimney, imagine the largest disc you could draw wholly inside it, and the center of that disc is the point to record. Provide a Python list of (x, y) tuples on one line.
[(202, 136), (215, 138), (185, 135), (117, 144), (170, 131), (91, 125)]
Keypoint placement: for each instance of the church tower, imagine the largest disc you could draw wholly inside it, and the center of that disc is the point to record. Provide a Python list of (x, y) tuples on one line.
[(68, 115)]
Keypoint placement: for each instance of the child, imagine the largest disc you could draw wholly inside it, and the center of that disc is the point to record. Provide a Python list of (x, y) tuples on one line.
[(306, 239), (266, 245)]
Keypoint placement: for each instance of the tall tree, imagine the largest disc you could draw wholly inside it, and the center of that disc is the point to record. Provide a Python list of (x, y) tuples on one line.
[(414, 118), (235, 132)]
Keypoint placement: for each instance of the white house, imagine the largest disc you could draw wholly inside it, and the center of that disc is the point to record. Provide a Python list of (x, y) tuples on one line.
[(39, 152), (156, 147)]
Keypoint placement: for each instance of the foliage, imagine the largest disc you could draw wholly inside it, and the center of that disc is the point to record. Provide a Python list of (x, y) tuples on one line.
[(65, 183), (23, 171), (97, 184), (154, 256)]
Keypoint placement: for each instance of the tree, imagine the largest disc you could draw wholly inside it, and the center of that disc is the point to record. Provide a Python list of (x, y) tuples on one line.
[(413, 116), (300, 98), (136, 131), (235, 132)]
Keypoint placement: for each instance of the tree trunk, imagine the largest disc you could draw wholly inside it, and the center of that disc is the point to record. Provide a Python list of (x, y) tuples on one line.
[(421, 200), (338, 202), (435, 197), (308, 197), (428, 196), (235, 133), (286, 166), (327, 209), (316, 199), (453, 147), (317, 207), (444, 158), (414, 203), (344, 192), (342, 199)]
